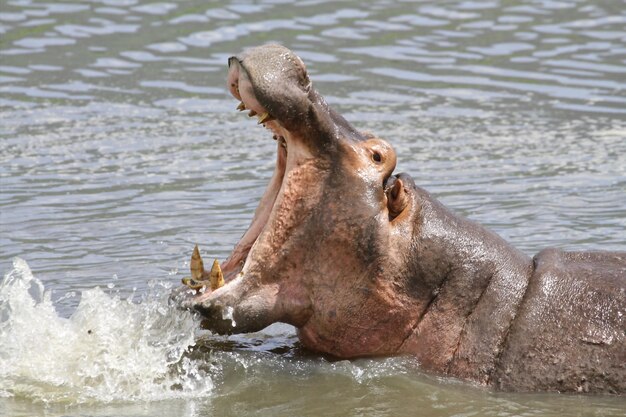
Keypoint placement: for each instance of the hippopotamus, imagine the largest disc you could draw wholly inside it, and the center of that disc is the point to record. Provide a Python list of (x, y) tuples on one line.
[(363, 262)]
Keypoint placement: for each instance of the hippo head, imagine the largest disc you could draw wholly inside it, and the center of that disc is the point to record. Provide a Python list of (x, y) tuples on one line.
[(325, 250)]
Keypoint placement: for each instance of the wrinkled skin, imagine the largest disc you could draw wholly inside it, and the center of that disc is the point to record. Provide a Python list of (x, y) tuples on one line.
[(365, 263)]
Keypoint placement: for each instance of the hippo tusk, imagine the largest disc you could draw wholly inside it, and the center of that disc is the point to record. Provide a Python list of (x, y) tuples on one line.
[(196, 265), (197, 270), (241, 106), (216, 278), (196, 282), (265, 117), (251, 113)]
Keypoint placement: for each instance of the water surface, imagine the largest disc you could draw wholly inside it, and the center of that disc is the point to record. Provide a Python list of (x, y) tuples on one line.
[(120, 149)]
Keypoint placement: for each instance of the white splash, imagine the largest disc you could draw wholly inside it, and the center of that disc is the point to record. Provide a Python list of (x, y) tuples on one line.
[(227, 314), (110, 349)]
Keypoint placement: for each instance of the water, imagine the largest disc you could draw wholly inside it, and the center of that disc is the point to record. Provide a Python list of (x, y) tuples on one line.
[(120, 149)]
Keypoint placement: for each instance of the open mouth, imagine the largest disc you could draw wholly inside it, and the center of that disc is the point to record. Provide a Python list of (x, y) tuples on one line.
[(291, 153), (271, 84), (327, 196)]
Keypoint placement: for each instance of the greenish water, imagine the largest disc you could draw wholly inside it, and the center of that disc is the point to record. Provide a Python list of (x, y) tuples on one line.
[(118, 138)]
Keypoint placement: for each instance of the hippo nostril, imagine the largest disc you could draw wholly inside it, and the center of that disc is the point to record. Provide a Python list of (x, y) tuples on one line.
[(376, 157)]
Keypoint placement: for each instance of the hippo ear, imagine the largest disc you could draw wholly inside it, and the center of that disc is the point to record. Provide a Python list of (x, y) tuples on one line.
[(397, 199)]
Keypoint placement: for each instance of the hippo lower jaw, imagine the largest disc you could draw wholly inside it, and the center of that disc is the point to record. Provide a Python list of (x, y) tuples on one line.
[(243, 304)]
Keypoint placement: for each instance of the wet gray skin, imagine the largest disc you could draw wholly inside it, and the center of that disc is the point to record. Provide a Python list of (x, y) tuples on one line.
[(366, 263)]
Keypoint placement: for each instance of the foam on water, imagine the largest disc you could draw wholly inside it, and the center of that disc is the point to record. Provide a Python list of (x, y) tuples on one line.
[(110, 349)]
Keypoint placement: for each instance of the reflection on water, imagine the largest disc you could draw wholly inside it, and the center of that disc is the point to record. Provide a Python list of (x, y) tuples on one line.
[(120, 149)]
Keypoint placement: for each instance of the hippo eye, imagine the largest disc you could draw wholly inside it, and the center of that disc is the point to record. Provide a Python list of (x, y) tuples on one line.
[(376, 157)]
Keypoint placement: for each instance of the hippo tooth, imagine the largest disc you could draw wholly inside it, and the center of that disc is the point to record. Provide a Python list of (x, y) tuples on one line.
[(265, 117), (193, 284), (196, 265), (216, 277), (241, 106), (251, 113)]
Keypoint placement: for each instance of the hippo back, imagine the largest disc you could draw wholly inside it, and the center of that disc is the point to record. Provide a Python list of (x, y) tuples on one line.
[(569, 333)]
